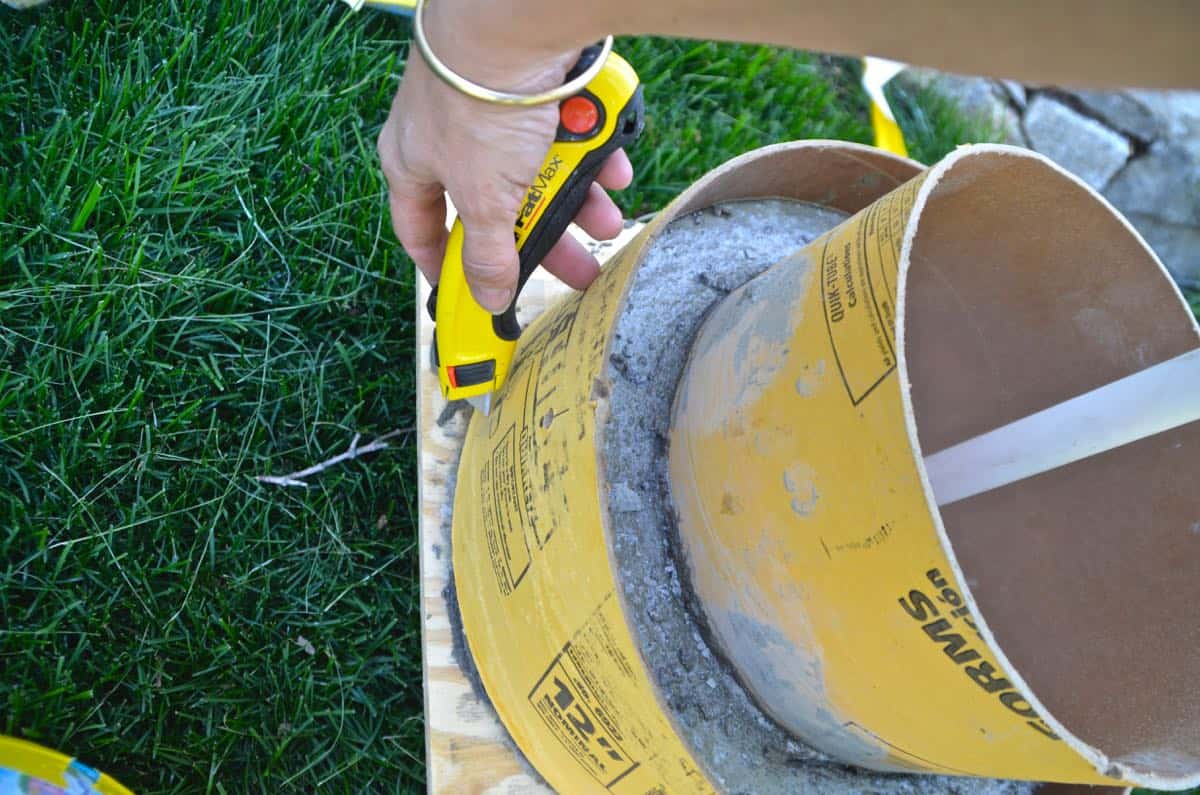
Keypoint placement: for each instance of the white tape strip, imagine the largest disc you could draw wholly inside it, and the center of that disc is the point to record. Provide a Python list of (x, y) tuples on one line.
[(1151, 401)]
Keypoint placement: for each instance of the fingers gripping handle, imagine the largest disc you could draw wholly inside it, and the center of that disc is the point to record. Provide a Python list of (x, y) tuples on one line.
[(472, 348), (564, 206)]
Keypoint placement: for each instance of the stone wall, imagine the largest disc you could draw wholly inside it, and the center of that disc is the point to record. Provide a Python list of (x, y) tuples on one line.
[(1140, 149)]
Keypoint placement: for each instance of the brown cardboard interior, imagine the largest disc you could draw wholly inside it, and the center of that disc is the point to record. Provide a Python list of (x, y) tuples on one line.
[(832, 175), (1024, 290)]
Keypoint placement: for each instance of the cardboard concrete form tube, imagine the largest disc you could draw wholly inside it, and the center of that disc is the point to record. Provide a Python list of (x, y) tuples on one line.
[(543, 611), (1045, 630)]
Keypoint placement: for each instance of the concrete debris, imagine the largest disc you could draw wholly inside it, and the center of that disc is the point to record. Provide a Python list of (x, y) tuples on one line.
[(622, 499)]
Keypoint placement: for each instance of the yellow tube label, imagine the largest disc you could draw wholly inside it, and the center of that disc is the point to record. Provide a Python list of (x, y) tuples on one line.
[(858, 292), (539, 601), (872, 653)]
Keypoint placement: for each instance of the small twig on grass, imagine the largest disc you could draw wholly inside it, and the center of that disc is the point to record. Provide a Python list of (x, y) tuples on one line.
[(352, 452)]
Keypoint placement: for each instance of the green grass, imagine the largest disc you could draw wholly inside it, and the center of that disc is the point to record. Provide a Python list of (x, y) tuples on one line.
[(932, 123), (706, 102), (198, 284)]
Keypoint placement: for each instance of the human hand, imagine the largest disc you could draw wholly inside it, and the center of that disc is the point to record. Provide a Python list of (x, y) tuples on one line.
[(437, 140)]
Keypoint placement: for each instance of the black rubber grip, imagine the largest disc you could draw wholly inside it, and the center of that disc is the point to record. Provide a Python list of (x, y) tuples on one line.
[(565, 206), (586, 59), (431, 304), (476, 373)]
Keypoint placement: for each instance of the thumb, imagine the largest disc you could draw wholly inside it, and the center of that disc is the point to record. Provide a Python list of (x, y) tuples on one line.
[(490, 261)]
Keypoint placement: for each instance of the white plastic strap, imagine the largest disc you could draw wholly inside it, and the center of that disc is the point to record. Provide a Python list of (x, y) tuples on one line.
[(1151, 401)]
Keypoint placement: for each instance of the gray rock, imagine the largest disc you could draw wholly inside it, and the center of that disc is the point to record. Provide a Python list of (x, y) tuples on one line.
[(1177, 246), (976, 97), (1159, 193), (1179, 114), (1122, 112), (1164, 183), (1015, 91), (1081, 145)]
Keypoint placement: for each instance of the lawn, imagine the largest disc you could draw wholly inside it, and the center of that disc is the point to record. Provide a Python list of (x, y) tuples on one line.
[(198, 285)]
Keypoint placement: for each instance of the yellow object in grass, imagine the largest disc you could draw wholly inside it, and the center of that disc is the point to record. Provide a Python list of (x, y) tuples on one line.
[(26, 767), (396, 6), (876, 73)]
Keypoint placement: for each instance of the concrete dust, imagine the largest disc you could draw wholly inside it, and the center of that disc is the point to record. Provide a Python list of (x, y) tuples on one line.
[(696, 261)]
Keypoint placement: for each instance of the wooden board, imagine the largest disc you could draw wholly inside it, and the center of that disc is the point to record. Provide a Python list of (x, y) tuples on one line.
[(466, 748)]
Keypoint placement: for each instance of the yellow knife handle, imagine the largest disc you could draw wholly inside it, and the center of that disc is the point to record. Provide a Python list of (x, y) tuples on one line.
[(472, 348)]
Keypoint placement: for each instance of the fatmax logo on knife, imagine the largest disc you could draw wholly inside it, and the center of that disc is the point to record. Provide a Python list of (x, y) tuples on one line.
[(537, 190)]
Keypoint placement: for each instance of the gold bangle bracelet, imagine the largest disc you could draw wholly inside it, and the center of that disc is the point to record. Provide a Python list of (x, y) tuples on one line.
[(462, 84)]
